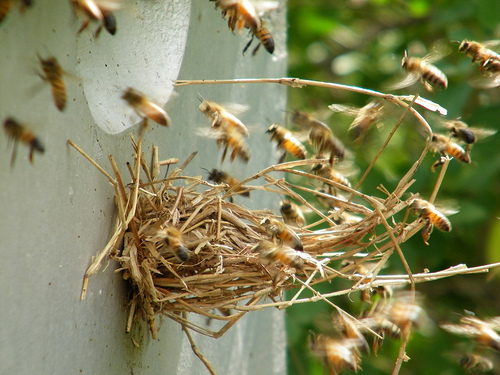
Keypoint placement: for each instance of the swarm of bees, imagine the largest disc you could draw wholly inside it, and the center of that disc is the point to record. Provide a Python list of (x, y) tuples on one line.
[(276, 242)]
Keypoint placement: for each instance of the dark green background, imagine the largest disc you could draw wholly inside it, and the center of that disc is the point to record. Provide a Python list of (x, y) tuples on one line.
[(364, 41)]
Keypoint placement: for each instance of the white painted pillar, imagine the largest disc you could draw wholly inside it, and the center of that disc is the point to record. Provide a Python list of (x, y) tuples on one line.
[(59, 212)]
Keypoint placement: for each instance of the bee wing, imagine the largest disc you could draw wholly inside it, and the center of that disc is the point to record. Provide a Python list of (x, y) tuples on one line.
[(447, 207), (110, 4), (406, 81), (235, 108), (209, 133), (482, 133), (458, 329), (346, 109), (262, 7), (486, 82)]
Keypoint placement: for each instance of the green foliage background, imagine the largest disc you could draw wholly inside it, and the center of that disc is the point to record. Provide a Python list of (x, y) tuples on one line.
[(361, 42)]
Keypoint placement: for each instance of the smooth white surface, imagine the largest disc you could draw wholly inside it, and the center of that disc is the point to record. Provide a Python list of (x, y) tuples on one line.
[(59, 212), (145, 53)]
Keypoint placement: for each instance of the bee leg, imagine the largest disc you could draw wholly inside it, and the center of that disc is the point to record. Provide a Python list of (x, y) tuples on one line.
[(224, 154), (98, 31), (426, 232), (256, 49), (282, 158), (248, 45), (84, 26), (143, 126), (30, 154), (14, 153)]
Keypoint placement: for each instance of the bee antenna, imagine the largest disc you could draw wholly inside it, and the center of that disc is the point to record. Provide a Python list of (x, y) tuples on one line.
[(200, 97)]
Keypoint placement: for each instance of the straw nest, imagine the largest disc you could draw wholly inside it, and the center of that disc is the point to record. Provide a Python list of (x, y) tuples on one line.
[(224, 277)]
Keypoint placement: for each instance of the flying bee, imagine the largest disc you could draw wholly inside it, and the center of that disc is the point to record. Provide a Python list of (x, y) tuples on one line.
[(265, 38), (279, 230), (442, 144), (53, 73), (99, 11), (222, 117), (432, 217), (219, 177), (245, 13), (240, 13), (229, 137), (478, 52), (382, 326), (171, 237), (287, 142), (18, 133), (475, 363), (350, 330), (272, 253), (466, 134), (173, 241), (227, 130), (404, 310), (320, 136), (336, 353), (291, 213), (483, 331), (145, 108), (364, 119), (327, 171), (421, 69)]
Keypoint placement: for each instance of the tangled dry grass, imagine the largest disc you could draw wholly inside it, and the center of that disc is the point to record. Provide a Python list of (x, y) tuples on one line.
[(224, 278)]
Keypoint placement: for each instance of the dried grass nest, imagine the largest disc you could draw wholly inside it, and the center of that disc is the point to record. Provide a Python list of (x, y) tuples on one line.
[(223, 278)]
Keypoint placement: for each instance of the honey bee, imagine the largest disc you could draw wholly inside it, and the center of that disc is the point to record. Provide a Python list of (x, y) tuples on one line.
[(272, 253), (475, 363), (53, 73), (365, 117), (222, 117), (463, 133), (320, 136), (219, 177), (483, 331), (287, 142), (19, 133), (442, 144), (145, 108), (404, 310), (490, 67), (421, 69), (327, 171), (227, 130), (99, 11), (171, 237), (336, 353), (432, 216), (478, 52), (291, 213), (285, 235), (382, 326), (245, 13), (265, 38)]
